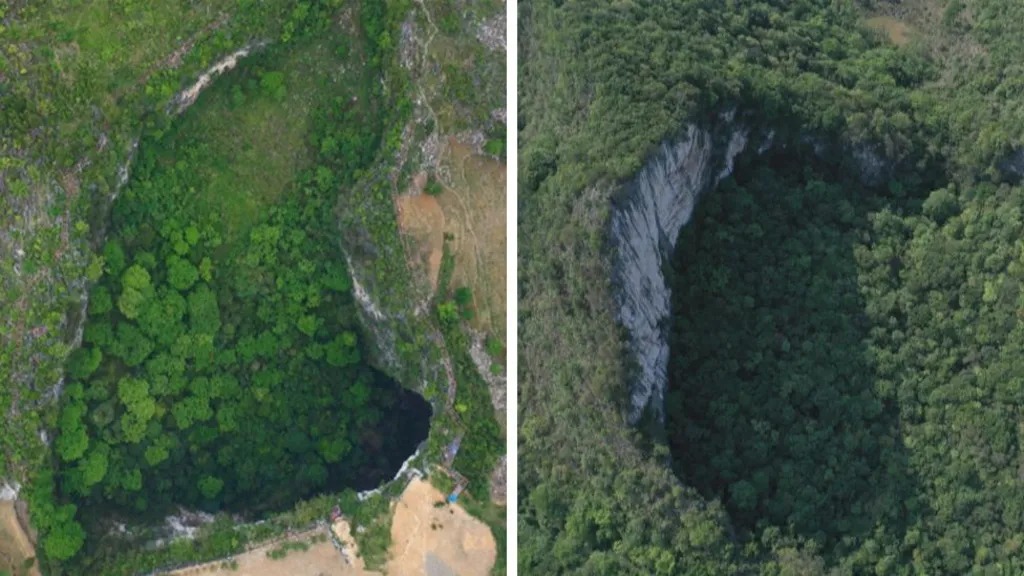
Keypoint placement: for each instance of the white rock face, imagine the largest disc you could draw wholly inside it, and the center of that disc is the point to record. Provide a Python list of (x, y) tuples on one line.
[(9, 491), (644, 226)]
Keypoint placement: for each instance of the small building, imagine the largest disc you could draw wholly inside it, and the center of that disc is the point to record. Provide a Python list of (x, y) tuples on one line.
[(454, 496)]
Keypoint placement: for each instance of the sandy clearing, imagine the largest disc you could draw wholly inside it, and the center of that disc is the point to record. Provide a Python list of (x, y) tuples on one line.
[(15, 546), (435, 541)]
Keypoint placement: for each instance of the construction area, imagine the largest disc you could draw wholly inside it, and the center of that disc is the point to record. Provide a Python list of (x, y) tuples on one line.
[(428, 538)]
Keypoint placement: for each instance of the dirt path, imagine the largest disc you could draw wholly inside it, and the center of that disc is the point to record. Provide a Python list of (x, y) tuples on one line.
[(320, 559), (426, 540), (474, 208), (15, 546)]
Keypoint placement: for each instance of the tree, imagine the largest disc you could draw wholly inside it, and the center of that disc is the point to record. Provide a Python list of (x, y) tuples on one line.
[(342, 350), (181, 274), (100, 301), (132, 346), (73, 440), (204, 314), (65, 537), (91, 470), (272, 84), (113, 255), (84, 361), (210, 486), (448, 312), (136, 289)]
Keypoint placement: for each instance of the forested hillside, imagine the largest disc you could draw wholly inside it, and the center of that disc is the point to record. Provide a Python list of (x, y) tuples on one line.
[(845, 316), (207, 308)]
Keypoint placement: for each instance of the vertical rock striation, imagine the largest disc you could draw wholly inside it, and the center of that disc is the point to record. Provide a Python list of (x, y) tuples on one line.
[(646, 219)]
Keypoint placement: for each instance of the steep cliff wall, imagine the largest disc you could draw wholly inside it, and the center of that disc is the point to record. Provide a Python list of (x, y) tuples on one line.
[(650, 210), (646, 219)]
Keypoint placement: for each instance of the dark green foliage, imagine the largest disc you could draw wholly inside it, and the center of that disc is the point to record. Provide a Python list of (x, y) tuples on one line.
[(433, 187), (772, 407), (844, 357), (224, 364), (483, 443)]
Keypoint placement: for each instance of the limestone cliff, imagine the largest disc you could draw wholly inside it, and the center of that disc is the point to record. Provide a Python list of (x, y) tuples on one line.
[(646, 219), (650, 209)]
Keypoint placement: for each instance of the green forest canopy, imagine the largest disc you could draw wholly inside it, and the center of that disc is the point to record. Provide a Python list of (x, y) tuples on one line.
[(844, 357), (222, 364)]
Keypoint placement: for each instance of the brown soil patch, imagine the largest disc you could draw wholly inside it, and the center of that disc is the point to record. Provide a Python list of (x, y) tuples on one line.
[(433, 541), (421, 218), (897, 31), (474, 210), (15, 545)]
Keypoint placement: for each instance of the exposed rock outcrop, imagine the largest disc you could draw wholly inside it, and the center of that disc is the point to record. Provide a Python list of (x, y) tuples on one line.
[(650, 210), (645, 223)]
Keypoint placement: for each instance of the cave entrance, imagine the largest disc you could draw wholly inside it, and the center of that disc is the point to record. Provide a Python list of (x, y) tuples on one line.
[(771, 404)]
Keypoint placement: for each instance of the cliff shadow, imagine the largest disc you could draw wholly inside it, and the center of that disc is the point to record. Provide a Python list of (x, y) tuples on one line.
[(772, 404)]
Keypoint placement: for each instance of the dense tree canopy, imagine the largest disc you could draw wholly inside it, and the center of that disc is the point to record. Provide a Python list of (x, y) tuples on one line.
[(844, 349), (223, 365)]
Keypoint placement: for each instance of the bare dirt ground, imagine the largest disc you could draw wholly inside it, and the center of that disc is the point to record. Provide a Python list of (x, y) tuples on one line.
[(15, 545), (420, 216), (897, 31), (474, 207), (472, 210), (425, 541)]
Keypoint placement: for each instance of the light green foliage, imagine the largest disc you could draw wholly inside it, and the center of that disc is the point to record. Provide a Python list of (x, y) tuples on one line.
[(135, 290), (94, 467), (448, 312), (73, 440), (210, 486), (342, 351)]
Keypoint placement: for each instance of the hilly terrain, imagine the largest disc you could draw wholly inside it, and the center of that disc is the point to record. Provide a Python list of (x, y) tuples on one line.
[(777, 245), (213, 333)]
